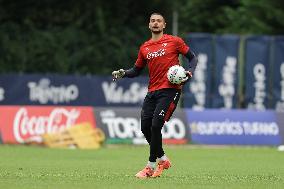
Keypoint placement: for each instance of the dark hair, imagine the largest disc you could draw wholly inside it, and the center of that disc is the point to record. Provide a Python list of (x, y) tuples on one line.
[(157, 13)]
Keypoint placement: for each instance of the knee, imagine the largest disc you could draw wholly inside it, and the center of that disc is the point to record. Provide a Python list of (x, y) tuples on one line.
[(146, 125), (157, 123)]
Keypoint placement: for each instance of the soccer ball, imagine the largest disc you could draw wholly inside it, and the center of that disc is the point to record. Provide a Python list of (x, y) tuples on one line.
[(176, 74)]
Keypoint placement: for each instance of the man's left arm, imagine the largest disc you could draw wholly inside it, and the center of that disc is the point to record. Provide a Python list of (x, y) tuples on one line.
[(192, 60), (186, 51)]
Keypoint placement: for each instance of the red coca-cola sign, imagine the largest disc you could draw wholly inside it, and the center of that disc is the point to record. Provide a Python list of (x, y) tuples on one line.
[(27, 123)]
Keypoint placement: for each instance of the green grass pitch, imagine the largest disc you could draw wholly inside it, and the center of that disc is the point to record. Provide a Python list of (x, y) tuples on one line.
[(114, 167)]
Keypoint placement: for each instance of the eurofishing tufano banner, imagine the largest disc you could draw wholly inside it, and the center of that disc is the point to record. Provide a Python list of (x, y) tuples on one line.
[(278, 74), (235, 127), (257, 52), (197, 91), (225, 88)]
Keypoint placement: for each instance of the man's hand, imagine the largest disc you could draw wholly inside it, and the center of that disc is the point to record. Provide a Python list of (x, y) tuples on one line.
[(118, 74), (189, 75)]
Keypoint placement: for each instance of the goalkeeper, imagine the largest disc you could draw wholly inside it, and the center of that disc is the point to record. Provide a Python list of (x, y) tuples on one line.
[(158, 53)]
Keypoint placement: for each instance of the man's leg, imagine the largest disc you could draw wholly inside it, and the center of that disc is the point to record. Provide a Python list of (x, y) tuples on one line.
[(146, 124), (147, 112), (167, 100), (156, 148)]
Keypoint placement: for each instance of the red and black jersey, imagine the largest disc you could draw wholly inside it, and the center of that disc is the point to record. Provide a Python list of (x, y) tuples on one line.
[(159, 56)]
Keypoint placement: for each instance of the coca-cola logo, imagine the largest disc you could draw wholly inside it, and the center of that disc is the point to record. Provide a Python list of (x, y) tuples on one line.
[(29, 127), (155, 54)]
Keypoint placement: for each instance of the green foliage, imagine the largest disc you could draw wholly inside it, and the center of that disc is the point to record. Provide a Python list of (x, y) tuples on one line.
[(232, 16), (73, 36), (256, 17), (204, 16), (95, 37)]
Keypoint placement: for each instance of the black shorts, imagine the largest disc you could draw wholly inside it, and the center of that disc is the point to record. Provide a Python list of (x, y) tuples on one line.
[(160, 104)]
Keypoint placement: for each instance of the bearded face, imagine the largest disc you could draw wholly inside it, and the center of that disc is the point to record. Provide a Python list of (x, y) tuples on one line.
[(157, 24)]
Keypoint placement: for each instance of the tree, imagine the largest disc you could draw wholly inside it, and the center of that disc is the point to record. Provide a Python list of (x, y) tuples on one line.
[(95, 37)]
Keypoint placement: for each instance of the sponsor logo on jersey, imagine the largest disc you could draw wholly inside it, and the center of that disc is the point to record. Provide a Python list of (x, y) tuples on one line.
[(155, 54)]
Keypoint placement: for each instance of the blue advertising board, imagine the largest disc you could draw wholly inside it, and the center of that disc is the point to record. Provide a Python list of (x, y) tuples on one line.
[(278, 74), (54, 89), (234, 127), (257, 72), (280, 121), (197, 92), (225, 88)]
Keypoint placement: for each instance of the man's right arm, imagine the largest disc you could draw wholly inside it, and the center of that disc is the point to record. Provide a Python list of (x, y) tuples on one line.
[(133, 72), (130, 73)]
